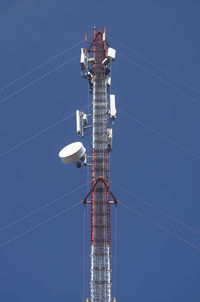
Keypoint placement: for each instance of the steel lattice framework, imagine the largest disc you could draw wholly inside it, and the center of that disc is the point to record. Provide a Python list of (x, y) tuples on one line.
[(97, 74)]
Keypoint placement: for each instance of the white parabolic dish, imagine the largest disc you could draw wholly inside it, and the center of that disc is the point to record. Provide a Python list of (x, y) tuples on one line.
[(72, 152)]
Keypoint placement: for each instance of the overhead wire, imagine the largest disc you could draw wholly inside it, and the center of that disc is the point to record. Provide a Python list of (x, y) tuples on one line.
[(155, 65), (40, 208), (160, 134), (84, 253), (39, 225), (157, 209), (85, 215), (89, 102), (160, 227), (160, 79), (37, 134), (169, 140), (115, 253), (38, 79), (40, 65)]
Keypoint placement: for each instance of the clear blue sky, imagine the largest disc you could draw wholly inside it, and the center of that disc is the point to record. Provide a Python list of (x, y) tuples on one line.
[(47, 263)]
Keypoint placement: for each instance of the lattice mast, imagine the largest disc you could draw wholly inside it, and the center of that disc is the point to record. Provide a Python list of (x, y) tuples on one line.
[(95, 64)]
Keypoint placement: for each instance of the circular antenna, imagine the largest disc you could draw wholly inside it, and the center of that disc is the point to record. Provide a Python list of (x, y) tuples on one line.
[(72, 153)]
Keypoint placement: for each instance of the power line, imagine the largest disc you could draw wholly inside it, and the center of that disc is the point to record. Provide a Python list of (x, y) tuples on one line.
[(162, 80), (41, 208), (38, 225), (160, 227), (161, 135), (37, 80), (37, 134), (40, 65), (156, 66), (157, 209)]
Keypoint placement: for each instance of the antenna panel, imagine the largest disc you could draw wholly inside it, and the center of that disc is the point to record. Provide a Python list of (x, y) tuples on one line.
[(108, 81), (110, 138), (85, 120), (113, 111), (78, 122), (111, 54), (82, 59)]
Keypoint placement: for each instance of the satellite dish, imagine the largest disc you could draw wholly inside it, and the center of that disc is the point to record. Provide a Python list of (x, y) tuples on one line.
[(72, 153)]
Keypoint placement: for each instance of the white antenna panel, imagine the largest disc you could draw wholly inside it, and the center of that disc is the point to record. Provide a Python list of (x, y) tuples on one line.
[(91, 60), (110, 138), (113, 111), (108, 81), (82, 60), (78, 122), (111, 54), (85, 120)]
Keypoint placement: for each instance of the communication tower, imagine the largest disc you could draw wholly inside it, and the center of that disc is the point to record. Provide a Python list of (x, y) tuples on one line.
[(95, 62)]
